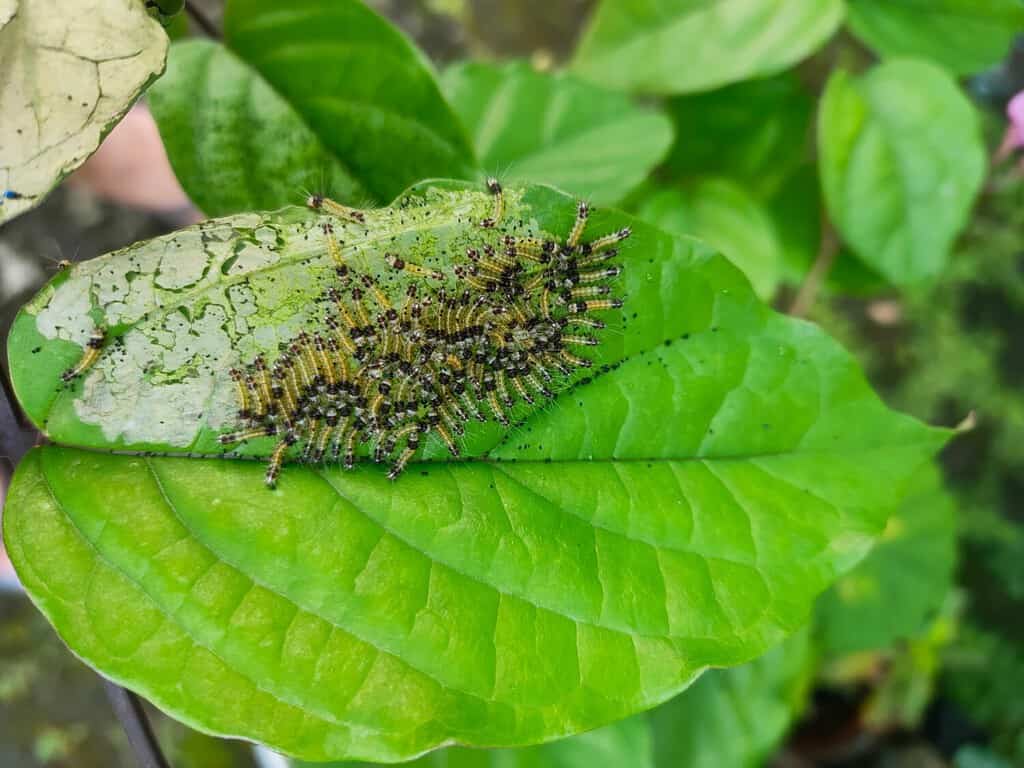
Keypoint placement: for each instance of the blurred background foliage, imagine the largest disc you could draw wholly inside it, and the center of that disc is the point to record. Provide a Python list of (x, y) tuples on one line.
[(912, 659)]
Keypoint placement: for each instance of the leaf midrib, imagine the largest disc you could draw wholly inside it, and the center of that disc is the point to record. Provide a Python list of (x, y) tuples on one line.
[(515, 461), (256, 581), (174, 511)]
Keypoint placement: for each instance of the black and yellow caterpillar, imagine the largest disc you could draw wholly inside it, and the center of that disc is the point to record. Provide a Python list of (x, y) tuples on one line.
[(464, 341)]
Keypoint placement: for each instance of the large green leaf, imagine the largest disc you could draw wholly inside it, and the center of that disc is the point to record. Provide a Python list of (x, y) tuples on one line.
[(735, 717), (965, 36), (556, 129), (234, 143), (902, 159), (680, 509), (722, 213), (69, 70), (900, 586), (757, 132), (627, 742), (695, 45), (361, 87)]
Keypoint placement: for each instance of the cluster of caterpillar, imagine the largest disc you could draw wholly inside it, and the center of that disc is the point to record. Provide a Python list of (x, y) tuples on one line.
[(385, 375)]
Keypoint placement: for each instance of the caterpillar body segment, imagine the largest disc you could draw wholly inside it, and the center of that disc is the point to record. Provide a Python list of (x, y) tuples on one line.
[(494, 187)]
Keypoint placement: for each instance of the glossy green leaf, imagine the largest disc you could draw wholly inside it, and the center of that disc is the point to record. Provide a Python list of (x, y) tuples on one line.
[(900, 586), (735, 717), (556, 129), (627, 742), (965, 36), (696, 45), (757, 132), (361, 87), (680, 509), (902, 159), (69, 70), (720, 212), (235, 144)]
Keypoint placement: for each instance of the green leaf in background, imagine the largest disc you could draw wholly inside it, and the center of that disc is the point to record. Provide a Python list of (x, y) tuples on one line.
[(902, 160), (324, 82), (176, 27), (983, 673), (234, 143), (556, 129), (721, 213), (904, 675), (796, 211), (901, 585), (973, 756), (965, 36), (852, 277), (625, 743), (757, 132), (69, 70), (679, 511), (165, 11), (185, 747), (359, 83), (734, 717), (696, 45)]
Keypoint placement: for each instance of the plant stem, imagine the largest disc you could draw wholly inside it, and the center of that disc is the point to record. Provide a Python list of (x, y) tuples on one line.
[(823, 262), (128, 708), (202, 20)]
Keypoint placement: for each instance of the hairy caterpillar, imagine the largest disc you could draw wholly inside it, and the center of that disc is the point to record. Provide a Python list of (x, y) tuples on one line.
[(466, 341), (93, 348)]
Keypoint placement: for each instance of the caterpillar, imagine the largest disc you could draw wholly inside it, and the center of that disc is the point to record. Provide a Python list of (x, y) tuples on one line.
[(496, 325), (93, 349)]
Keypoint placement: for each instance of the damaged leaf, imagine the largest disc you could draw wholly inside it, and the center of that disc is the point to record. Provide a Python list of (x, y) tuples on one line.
[(68, 72)]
